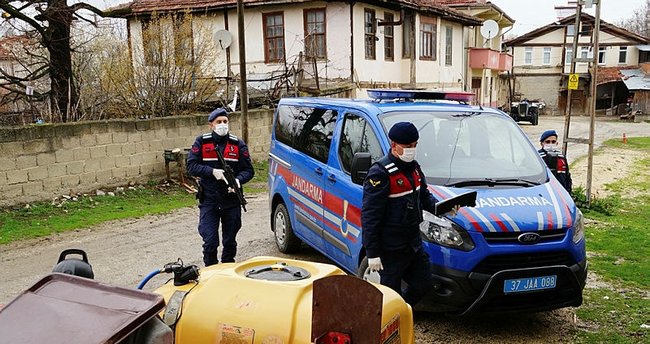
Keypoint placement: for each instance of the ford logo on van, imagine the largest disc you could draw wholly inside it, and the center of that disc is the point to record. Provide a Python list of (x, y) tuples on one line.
[(528, 238)]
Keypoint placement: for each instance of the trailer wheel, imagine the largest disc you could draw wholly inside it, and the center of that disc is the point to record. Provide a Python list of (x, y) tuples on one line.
[(535, 119), (285, 238)]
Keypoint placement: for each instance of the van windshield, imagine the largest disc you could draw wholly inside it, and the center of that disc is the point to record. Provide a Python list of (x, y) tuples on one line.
[(472, 149)]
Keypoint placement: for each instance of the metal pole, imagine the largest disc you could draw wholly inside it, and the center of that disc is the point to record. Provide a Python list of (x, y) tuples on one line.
[(594, 88), (242, 69), (574, 53)]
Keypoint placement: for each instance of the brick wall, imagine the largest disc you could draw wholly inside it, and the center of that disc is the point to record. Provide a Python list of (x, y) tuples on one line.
[(41, 162)]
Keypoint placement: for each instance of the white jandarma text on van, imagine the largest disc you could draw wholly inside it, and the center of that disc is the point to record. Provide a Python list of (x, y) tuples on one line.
[(512, 201), (308, 189)]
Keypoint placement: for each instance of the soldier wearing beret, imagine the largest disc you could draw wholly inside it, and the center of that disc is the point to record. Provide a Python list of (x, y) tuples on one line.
[(554, 159), (394, 195), (217, 200)]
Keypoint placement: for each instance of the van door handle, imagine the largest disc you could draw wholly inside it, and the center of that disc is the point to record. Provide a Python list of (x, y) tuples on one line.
[(331, 178), (319, 171)]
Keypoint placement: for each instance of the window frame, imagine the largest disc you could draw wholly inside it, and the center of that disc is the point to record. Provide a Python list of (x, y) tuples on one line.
[(389, 38), (545, 52), (449, 48), (622, 52), (568, 56), (528, 52), (310, 37), (370, 33), (151, 33), (185, 55), (408, 32), (367, 128), (428, 39), (267, 53), (602, 50)]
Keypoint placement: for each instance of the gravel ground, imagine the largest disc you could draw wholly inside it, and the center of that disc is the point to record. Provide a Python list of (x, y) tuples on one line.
[(123, 252)]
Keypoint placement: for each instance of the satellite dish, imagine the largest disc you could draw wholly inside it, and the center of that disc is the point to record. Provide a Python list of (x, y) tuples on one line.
[(490, 29), (223, 38)]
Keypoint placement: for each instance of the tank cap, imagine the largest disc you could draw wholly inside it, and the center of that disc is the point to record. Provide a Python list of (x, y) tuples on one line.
[(279, 271)]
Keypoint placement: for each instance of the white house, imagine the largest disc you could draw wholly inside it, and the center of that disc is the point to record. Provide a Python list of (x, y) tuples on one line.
[(337, 45), (542, 62)]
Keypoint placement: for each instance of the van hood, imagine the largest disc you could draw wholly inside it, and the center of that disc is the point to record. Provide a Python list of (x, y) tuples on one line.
[(539, 208)]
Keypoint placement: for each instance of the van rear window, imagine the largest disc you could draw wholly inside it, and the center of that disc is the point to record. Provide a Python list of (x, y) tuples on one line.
[(306, 129)]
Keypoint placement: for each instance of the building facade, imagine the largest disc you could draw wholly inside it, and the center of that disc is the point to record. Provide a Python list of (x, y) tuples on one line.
[(542, 63), (318, 47)]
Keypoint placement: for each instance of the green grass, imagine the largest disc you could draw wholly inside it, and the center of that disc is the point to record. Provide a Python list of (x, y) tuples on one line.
[(45, 218), (618, 240)]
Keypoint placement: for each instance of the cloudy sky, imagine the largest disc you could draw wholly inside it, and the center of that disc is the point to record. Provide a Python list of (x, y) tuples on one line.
[(528, 14)]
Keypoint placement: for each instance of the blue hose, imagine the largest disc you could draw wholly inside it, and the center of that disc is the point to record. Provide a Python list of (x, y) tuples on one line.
[(148, 277)]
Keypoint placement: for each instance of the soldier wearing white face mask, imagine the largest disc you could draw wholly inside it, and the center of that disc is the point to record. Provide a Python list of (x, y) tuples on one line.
[(394, 195), (218, 202), (554, 159)]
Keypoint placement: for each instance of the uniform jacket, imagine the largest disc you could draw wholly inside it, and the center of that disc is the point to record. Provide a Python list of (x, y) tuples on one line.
[(559, 165), (394, 195), (202, 159)]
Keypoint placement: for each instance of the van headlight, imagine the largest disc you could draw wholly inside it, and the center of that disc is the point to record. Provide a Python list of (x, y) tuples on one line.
[(441, 231), (578, 227)]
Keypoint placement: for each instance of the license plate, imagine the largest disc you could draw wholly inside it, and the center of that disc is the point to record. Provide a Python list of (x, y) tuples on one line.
[(529, 284)]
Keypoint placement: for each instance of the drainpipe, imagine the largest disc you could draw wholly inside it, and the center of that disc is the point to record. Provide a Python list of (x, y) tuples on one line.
[(352, 42)]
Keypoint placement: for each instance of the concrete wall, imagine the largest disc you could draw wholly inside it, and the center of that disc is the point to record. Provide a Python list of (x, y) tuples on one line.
[(540, 87), (46, 161)]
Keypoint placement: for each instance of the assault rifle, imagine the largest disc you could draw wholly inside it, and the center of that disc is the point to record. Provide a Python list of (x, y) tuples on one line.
[(232, 181)]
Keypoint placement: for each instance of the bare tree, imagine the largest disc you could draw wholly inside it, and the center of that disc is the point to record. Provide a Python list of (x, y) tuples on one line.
[(640, 21), (51, 20)]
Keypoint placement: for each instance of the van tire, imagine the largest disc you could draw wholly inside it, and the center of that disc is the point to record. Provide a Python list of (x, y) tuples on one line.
[(285, 238), (365, 274)]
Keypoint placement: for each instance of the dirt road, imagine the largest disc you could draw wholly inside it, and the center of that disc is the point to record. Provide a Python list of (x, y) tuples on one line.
[(123, 252)]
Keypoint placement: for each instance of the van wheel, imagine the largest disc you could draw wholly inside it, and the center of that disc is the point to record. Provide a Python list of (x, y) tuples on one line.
[(285, 239), (535, 119), (364, 272)]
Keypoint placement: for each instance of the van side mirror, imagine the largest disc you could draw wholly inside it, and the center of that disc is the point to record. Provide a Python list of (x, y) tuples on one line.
[(360, 165)]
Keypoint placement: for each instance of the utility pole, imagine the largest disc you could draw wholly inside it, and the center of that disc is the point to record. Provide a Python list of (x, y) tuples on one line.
[(243, 89), (574, 53), (594, 87)]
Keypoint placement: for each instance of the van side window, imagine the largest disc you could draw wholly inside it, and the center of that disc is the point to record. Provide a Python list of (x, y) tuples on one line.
[(306, 129), (357, 136)]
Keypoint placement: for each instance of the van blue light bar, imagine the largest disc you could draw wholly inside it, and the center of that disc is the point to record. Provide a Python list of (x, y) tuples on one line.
[(462, 97)]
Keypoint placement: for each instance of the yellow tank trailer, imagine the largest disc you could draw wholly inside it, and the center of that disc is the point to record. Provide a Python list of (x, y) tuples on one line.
[(270, 300)]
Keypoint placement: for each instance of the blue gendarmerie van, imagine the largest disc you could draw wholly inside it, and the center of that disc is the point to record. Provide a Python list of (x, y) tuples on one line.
[(521, 248)]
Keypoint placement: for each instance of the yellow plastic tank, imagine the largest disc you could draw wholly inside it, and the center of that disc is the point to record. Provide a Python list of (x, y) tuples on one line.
[(264, 300)]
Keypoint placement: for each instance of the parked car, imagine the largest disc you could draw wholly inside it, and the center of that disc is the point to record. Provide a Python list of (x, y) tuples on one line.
[(522, 247)]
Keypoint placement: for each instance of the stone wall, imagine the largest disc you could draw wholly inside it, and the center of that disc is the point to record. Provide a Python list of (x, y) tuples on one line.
[(40, 162)]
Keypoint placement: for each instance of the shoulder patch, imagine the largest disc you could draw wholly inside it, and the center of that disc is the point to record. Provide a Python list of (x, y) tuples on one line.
[(233, 137), (207, 136)]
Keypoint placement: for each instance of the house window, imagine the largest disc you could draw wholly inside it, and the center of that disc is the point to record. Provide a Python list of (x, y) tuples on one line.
[(570, 30), (152, 42), (528, 56), (547, 56), (568, 56), (408, 35), (584, 52), (601, 55), (586, 30), (315, 33), (370, 29), (389, 39), (622, 55), (428, 33), (183, 40), (273, 37), (449, 39)]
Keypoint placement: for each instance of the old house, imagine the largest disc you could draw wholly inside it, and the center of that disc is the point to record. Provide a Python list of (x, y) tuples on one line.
[(315, 47), (542, 63)]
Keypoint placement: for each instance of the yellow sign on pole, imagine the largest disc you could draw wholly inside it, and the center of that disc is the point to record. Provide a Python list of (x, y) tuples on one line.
[(573, 81)]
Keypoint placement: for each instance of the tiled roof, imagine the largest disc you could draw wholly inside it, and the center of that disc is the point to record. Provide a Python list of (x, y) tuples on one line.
[(611, 74), (148, 6)]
